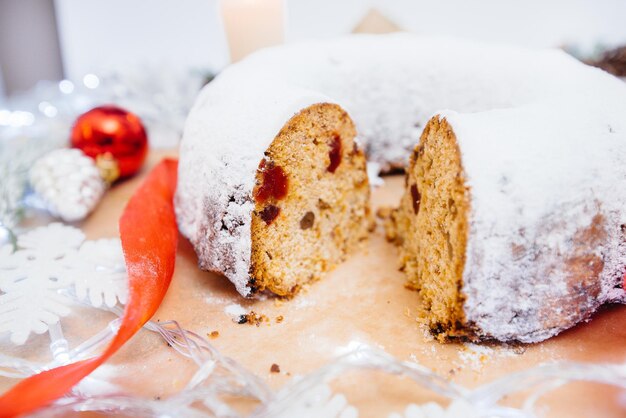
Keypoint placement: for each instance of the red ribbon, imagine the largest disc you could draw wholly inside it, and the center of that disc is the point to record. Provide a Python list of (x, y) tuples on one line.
[(149, 237)]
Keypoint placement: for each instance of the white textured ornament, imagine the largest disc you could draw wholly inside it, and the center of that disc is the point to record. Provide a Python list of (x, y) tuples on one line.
[(51, 264), (68, 182)]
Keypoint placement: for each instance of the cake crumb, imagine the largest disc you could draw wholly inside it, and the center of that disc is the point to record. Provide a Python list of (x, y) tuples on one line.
[(408, 285), (387, 217), (279, 319), (253, 318), (214, 334), (384, 212), (275, 368)]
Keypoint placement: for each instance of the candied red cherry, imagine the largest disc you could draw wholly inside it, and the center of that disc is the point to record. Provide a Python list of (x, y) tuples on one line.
[(274, 184), (335, 153)]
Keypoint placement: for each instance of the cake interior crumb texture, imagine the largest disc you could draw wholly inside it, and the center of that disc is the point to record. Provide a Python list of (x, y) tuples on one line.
[(431, 226), (311, 201)]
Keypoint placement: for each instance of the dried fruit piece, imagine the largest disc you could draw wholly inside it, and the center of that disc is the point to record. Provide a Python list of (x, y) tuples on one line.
[(274, 185), (307, 220), (451, 206), (415, 194), (322, 204), (269, 213), (335, 153)]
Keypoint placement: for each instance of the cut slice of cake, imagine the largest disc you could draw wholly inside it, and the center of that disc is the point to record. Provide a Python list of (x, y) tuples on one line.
[(288, 203), (503, 232), (431, 227), (311, 200)]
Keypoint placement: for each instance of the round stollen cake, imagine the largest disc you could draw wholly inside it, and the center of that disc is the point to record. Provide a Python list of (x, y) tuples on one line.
[(512, 223)]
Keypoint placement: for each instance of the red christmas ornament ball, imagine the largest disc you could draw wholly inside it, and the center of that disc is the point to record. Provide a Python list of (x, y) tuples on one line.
[(112, 133)]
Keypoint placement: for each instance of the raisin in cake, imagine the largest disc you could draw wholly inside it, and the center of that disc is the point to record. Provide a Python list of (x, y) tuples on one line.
[(511, 226)]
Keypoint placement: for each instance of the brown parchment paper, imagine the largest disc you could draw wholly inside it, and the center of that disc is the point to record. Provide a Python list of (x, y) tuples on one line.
[(362, 301)]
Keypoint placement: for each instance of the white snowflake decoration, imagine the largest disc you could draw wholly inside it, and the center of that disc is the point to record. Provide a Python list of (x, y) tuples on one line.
[(100, 273), (50, 264), (457, 408), (320, 402)]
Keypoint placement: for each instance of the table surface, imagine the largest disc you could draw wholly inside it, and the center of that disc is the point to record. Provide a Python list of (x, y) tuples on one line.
[(362, 301)]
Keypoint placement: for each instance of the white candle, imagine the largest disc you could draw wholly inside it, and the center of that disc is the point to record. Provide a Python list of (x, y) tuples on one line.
[(252, 24)]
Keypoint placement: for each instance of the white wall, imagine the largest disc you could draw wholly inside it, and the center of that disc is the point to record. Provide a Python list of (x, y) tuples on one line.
[(29, 50), (2, 93), (528, 22), (101, 35)]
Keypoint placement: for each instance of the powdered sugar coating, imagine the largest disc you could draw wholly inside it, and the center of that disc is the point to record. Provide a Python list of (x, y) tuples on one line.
[(540, 176), (391, 85), (224, 140)]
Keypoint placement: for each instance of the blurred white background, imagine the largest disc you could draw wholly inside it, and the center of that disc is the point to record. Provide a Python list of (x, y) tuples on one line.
[(123, 35)]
